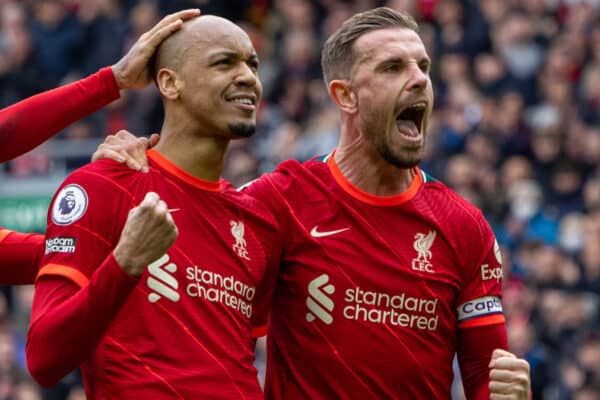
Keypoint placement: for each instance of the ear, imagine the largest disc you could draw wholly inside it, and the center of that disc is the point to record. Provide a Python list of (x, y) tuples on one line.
[(343, 96), (168, 84)]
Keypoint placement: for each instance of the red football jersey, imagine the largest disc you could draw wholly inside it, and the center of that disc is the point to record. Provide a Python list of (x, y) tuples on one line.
[(184, 331), (373, 291), (20, 254)]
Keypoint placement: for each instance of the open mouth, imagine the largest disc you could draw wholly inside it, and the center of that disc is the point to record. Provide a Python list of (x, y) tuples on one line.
[(247, 101), (410, 120)]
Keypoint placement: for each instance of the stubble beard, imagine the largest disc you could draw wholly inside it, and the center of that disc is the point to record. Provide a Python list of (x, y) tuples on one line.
[(404, 158), (242, 130)]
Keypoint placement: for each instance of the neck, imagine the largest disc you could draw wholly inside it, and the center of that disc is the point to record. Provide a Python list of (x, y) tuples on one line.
[(196, 153), (364, 167)]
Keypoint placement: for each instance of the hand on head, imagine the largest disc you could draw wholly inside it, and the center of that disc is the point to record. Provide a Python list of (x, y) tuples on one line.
[(133, 71)]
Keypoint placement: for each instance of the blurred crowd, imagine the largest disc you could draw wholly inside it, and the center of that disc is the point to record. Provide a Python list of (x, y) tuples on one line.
[(515, 130)]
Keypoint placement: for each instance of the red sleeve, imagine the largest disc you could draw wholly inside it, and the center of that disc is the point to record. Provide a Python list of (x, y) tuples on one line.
[(25, 125), (79, 288), (68, 321), (20, 256), (475, 347), (264, 190)]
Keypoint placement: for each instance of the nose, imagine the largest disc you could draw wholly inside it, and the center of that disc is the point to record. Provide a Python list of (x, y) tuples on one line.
[(246, 75), (418, 78)]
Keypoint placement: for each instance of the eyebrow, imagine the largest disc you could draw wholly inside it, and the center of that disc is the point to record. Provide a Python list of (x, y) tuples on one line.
[(396, 59), (233, 54)]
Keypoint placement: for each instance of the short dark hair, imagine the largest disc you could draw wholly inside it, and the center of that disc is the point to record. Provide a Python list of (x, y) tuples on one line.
[(338, 56)]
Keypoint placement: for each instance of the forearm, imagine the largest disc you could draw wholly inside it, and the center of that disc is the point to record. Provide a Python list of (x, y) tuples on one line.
[(68, 322), (20, 255), (475, 347), (26, 124)]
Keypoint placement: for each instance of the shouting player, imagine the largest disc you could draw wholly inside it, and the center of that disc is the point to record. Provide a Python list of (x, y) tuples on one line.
[(386, 273), (27, 124), (181, 327), (384, 314)]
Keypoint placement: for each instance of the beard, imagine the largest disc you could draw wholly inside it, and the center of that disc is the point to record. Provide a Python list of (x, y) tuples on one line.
[(242, 130), (404, 158)]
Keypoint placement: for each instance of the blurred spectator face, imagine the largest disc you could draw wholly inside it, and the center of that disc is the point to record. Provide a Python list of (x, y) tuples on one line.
[(460, 172), (591, 194), (588, 356), (27, 391), (591, 147), (525, 199), (566, 178), (513, 39), (488, 69), (7, 352), (514, 169), (494, 10), (454, 68), (545, 146), (521, 338), (557, 92), (587, 393), (300, 48), (571, 232), (507, 121), (50, 12), (482, 150), (449, 12), (298, 14), (143, 17)]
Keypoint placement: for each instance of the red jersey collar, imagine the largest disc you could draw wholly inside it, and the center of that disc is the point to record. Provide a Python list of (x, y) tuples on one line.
[(369, 198), (183, 175)]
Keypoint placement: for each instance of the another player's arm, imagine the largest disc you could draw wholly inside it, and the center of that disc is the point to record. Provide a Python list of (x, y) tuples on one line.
[(30, 122), (20, 255), (71, 313)]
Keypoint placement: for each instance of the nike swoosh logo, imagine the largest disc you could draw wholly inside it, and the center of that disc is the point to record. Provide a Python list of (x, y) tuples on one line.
[(317, 234)]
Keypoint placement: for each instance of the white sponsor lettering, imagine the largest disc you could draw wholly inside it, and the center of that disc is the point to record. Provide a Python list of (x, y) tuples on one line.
[(488, 273), (480, 307), (394, 309), (217, 288), (60, 245), (318, 302)]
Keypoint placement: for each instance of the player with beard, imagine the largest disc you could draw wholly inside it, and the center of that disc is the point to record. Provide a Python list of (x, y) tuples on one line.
[(25, 125), (180, 327), (386, 272), (377, 306)]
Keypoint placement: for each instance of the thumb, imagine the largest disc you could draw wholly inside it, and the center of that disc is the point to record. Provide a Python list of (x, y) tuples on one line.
[(499, 353)]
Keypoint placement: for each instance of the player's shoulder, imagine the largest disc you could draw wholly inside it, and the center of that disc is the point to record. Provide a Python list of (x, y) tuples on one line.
[(103, 171), (104, 178), (447, 202)]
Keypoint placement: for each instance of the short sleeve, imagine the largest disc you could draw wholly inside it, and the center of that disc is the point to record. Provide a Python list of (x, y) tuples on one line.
[(85, 219)]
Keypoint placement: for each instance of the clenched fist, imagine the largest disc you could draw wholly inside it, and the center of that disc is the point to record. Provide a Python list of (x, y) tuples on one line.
[(148, 233)]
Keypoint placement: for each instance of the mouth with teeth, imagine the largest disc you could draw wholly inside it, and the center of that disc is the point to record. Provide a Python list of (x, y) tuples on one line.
[(245, 102), (410, 120)]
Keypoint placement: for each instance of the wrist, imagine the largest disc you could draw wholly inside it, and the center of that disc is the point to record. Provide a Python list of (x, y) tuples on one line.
[(126, 262)]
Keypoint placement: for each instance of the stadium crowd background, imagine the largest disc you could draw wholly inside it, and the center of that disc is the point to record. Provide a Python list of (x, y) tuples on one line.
[(515, 130)]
